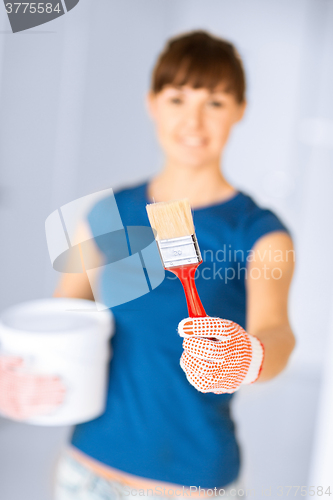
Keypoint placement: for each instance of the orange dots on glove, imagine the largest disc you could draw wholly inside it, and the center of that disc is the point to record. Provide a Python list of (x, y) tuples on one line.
[(24, 394), (219, 355)]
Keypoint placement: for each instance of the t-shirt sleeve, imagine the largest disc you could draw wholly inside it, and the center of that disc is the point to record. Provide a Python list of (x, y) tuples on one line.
[(260, 223), (107, 229), (104, 217)]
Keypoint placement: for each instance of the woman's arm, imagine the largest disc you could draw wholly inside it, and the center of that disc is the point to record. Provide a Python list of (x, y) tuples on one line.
[(268, 281), (77, 285), (235, 356)]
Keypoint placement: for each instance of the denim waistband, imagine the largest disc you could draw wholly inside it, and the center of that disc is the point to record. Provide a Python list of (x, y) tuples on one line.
[(75, 481)]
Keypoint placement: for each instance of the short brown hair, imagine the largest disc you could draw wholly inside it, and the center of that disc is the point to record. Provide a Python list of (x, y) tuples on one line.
[(200, 60)]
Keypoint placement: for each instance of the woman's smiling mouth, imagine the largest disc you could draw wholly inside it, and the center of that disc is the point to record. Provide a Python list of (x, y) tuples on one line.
[(193, 141)]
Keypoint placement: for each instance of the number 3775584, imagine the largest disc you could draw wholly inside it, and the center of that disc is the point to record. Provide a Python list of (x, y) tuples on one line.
[(32, 8)]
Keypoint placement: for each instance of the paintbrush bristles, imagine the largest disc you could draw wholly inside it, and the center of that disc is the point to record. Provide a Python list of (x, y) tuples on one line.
[(171, 219)]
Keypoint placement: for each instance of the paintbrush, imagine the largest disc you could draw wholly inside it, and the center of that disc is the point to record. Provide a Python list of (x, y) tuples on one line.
[(178, 247)]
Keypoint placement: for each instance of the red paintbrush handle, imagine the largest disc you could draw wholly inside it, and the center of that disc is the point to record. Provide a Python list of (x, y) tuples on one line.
[(186, 275)]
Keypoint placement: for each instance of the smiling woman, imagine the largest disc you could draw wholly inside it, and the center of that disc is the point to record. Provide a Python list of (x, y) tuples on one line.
[(197, 95), (163, 428), (194, 124)]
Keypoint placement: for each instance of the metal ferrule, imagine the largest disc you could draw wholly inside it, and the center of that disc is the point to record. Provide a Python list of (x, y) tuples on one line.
[(179, 251)]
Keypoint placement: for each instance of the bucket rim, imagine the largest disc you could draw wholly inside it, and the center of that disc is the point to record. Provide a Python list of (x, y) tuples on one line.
[(40, 307)]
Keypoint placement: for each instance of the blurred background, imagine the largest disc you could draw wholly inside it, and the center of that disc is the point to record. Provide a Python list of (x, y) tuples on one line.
[(73, 121)]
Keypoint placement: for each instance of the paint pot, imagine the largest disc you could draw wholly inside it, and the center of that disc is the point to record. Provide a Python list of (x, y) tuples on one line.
[(67, 338)]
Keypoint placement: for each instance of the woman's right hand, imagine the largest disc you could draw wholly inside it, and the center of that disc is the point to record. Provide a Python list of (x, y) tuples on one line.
[(24, 394)]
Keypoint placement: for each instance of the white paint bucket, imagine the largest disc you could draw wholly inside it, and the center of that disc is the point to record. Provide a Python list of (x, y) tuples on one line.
[(68, 338)]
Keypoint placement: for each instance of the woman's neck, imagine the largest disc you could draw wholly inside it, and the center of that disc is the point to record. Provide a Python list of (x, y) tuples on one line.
[(201, 186)]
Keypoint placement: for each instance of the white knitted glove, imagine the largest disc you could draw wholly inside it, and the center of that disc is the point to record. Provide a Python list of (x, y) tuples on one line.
[(221, 365), (24, 394)]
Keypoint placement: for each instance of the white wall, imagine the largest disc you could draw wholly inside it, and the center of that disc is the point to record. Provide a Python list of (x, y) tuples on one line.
[(72, 100)]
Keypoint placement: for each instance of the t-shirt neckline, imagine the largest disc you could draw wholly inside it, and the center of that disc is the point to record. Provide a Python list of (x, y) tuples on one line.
[(220, 204)]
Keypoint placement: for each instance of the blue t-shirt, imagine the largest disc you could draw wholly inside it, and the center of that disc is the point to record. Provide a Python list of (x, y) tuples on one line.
[(156, 425)]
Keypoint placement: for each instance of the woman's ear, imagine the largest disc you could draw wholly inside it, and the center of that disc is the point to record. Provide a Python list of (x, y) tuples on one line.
[(151, 104), (241, 111)]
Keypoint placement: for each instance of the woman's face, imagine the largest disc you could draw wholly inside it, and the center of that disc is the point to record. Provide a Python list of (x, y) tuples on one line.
[(193, 125)]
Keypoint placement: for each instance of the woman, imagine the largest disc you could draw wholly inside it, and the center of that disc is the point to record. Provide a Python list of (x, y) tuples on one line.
[(161, 429)]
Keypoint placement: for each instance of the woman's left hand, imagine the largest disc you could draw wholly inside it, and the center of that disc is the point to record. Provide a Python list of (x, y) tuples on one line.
[(221, 365)]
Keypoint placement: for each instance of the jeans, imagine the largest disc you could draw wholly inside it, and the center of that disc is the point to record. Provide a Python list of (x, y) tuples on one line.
[(75, 481)]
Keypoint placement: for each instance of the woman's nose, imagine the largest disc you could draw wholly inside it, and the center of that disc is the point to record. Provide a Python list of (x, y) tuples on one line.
[(194, 117)]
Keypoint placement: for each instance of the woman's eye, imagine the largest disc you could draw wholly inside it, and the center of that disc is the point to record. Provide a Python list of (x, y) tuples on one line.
[(175, 100), (216, 104)]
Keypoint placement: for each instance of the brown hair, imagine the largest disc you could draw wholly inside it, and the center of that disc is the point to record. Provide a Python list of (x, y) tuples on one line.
[(200, 60)]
